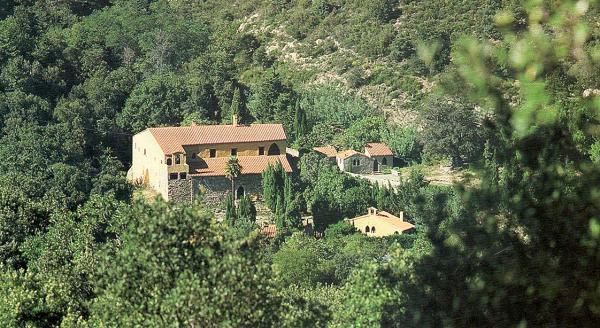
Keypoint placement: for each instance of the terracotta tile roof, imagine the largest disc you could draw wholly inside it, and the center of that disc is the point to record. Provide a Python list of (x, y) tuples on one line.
[(347, 153), (172, 139), (328, 151), (378, 149), (249, 164), (269, 230), (384, 216)]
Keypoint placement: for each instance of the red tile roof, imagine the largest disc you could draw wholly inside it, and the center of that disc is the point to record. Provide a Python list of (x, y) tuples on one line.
[(328, 151), (172, 139), (347, 153), (384, 216), (269, 230), (378, 149), (249, 164)]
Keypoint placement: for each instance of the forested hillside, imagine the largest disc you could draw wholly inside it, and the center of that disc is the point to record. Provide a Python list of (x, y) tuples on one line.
[(505, 90)]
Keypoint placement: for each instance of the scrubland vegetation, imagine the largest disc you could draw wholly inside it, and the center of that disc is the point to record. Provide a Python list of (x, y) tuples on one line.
[(506, 89)]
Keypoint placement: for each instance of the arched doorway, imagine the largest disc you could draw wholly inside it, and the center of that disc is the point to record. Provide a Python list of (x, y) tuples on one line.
[(375, 166), (240, 192), (274, 149)]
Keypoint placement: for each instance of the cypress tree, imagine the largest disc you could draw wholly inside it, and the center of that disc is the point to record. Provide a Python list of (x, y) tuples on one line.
[(299, 122), (269, 187), (246, 209), (230, 210), (280, 213), (238, 107)]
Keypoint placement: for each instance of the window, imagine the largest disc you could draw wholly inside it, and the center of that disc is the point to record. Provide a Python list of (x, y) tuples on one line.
[(233, 151), (261, 150), (367, 229), (212, 153), (356, 162), (169, 161), (373, 229), (177, 159), (193, 155), (144, 151), (173, 176), (182, 175), (384, 161)]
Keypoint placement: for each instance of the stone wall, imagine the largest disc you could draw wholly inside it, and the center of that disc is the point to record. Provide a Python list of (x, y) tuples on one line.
[(365, 167), (180, 191), (215, 189)]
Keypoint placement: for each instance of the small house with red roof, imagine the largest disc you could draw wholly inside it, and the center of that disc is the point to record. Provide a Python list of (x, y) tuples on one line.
[(375, 158), (182, 162)]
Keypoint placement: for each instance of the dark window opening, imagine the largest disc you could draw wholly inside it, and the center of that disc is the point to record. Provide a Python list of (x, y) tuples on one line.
[(173, 176), (144, 151), (240, 193), (193, 155), (274, 149), (384, 161), (233, 151), (177, 159), (182, 175), (373, 230), (213, 153), (367, 229), (396, 233), (261, 150), (169, 161)]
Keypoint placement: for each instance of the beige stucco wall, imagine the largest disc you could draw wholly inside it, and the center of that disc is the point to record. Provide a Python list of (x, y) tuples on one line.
[(382, 228), (149, 167), (224, 150)]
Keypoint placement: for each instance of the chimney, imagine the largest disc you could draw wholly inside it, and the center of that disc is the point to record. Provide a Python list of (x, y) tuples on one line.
[(401, 215), (234, 120)]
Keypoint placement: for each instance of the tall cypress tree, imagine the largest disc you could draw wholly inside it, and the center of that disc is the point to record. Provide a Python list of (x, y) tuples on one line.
[(299, 122), (238, 107), (246, 209), (230, 210), (269, 187)]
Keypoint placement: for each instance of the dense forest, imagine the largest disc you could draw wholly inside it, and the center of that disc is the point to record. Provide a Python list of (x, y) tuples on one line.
[(507, 91)]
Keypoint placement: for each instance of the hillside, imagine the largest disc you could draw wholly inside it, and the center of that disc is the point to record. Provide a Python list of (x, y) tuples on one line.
[(483, 211)]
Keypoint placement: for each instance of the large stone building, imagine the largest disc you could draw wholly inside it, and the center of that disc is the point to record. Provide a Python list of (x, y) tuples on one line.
[(181, 162), (376, 157)]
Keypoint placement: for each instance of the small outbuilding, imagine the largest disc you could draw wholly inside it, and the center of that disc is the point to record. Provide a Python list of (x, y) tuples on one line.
[(354, 162), (378, 223), (381, 154)]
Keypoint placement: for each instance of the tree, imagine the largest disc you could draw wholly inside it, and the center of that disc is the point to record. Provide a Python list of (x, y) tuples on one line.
[(233, 170), (238, 107), (524, 248), (246, 209), (452, 129), (185, 271), (300, 128), (230, 210)]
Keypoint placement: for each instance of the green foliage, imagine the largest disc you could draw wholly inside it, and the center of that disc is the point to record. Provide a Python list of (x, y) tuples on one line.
[(452, 130), (230, 210), (271, 99), (246, 209), (176, 266)]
